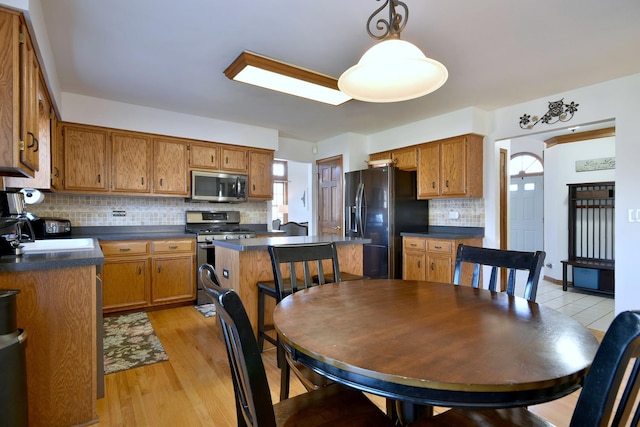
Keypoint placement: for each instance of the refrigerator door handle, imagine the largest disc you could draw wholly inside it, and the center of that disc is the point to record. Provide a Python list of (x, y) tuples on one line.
[(357, 208), (363, 212)]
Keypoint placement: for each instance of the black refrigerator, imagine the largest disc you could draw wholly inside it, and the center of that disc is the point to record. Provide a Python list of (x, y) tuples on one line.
[(380, 203)]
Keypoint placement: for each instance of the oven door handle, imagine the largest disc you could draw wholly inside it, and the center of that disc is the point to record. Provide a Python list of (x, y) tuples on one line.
[(206, 245)]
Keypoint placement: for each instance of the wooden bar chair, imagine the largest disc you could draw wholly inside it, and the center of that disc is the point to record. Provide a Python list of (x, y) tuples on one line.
[(609, 395), (335, 405), (497, 258)]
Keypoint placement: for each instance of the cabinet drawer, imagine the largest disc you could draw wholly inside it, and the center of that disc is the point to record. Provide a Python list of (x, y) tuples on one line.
[(129, 247), (414, 243), (170, 246), (441, 246)]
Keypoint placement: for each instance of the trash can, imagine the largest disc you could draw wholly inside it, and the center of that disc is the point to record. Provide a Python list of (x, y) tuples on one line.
[(13, 372)]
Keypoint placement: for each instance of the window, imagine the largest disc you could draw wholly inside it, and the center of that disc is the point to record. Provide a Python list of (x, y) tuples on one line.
[(523, 164), (279, 205)]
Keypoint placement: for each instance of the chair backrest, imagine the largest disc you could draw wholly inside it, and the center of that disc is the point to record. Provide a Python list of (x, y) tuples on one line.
[(497, 258), (619, 353), (303, 256), (253, 398), (294, 229)]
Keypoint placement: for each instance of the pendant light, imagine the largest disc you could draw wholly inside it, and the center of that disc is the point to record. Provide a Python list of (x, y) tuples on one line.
[(393, 69)]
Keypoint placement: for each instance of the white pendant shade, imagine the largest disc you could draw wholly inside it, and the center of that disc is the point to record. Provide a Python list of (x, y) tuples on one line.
[(392, 70)]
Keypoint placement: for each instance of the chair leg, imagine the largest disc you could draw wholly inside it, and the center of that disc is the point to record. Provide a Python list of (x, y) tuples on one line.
[(261, 330), (284, 374)]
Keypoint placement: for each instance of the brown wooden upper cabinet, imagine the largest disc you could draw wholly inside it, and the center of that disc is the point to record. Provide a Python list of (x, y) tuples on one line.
[(233, 159), (204, 156), (406, 158), (132, 162), (19, 149), (260, 174), (170, 167), (450, 168), (86, 159)]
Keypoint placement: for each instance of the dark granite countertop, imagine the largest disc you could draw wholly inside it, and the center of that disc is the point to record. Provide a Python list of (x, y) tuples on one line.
[(446, 232), (52, 260), (258, 244), (137, 232)]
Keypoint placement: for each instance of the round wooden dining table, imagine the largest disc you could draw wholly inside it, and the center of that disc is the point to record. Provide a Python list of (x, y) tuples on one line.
[(435, 343)]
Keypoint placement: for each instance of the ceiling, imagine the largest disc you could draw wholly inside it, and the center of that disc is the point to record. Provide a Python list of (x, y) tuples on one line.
[(171, 55)]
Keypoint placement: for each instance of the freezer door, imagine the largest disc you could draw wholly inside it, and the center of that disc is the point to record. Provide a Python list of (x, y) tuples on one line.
[(352, 224)]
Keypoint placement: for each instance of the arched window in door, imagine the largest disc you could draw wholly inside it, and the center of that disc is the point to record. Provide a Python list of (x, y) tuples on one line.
[(524, 164)]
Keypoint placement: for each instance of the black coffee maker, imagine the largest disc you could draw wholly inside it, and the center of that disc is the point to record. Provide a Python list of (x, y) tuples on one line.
[(15, 226)]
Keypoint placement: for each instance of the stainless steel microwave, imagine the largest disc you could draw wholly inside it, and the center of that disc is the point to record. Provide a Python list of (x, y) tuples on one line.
[(218, 187)]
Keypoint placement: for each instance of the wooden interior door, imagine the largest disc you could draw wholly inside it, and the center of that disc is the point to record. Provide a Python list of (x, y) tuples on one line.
[(330, 196)]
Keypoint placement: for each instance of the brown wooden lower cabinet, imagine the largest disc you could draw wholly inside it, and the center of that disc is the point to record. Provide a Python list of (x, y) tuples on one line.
[(433, 259), (140, 273)]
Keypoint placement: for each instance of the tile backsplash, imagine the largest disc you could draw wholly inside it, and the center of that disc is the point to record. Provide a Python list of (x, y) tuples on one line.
[(84, 211), (94, 210), (470, 212)]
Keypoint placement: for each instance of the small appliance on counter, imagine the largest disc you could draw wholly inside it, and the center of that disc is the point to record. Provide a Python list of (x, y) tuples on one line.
[(51, 228)]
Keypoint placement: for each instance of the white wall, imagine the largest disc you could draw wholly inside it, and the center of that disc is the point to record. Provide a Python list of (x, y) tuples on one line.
[(299, 186)]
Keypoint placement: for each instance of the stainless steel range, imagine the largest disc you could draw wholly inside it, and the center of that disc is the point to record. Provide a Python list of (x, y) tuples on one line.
[(209, 226)]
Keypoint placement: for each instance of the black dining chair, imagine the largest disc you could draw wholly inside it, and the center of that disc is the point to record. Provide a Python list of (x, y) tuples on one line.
[(335, 405), (609, 395), (498, 258), (294, 229), (292, 271)]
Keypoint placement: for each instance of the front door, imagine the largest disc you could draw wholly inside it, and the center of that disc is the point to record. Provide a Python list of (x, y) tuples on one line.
[(330, 196), (527, 196)]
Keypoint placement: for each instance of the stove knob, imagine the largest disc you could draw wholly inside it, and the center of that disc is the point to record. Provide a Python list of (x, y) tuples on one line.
[(228, 237), (208, 239)]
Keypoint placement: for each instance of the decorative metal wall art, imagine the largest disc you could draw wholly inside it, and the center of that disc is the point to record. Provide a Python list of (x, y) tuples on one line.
[(558, 112)]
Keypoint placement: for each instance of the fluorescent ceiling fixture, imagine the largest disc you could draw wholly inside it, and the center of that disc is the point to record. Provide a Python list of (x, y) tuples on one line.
[(268, 73)]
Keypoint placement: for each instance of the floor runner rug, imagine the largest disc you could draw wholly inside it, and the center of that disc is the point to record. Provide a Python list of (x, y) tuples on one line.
[(207, 310), (130, 342)]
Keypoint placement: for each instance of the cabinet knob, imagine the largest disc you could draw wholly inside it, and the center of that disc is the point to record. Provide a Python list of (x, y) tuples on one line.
[(447, 184), (173, 247), (99, 178), (125, 249), (160, 182), (142, 180), (433, 184), (419, 264), (139, 271), (433, 266)]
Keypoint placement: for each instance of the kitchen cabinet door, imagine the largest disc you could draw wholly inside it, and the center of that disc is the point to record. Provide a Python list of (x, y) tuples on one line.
[(29, 81), (46, 133), (440, 268), (172, 279), (233, 159), (429, 171), (170, 167), (453, 167), (19, 73), (204, 156), (414, 266), (260, 175), (132, 160), (172, 271), (86, 161), (406, 158), (124, 284)]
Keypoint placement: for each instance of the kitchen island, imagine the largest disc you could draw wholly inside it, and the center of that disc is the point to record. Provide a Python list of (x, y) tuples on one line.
[(242, 263), (58, 308)]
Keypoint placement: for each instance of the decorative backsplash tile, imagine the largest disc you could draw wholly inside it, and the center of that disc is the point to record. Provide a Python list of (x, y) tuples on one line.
[(470, 212), (86, 211)]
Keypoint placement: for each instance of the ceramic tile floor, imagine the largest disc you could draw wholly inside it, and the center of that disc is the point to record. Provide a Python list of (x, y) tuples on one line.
[(592, 310)]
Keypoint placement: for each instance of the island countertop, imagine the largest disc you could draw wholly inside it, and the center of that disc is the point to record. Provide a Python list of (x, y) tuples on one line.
[(261, 243)]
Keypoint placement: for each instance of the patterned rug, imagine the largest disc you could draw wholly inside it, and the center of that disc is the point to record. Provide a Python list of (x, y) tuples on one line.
[(207, 310), (129, 342)]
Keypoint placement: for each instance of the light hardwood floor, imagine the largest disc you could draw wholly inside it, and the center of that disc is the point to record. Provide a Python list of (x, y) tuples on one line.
[(194, 388)]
